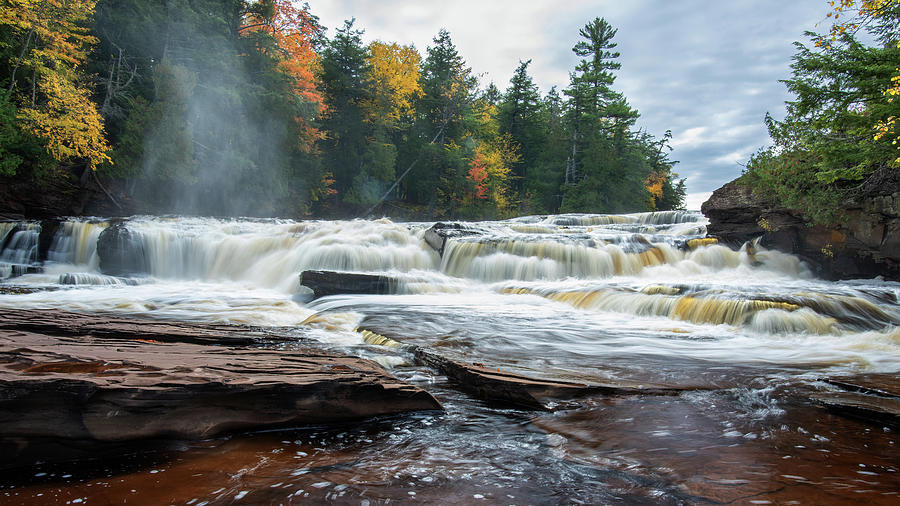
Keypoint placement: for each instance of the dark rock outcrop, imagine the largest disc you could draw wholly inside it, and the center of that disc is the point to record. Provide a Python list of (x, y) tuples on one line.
[(21, 197), (324, 283), (121, 251), (45, 240), (440, 232), (867, 245), (63, 387)]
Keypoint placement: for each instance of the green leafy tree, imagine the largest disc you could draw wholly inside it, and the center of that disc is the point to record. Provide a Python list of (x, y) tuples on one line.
[(544, 176), (437, 147), (46, 44), (825, 149)]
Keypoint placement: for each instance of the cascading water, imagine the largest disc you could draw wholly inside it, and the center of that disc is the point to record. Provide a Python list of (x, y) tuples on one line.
[(18, 247), (591, 298), (600, 265)]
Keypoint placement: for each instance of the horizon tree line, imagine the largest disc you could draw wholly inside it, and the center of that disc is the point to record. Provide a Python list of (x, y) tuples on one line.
[(236, 107)]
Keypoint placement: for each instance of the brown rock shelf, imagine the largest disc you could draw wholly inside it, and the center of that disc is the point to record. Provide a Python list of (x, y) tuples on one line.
[(885, 385), (874, 398), (493, 385), (512, 389), (64, 323), (89, 381)]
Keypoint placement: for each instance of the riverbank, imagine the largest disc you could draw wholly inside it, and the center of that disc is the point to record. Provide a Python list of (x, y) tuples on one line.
[(866, 244)]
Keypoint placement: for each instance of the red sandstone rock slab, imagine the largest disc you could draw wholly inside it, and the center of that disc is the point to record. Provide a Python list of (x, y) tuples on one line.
[(885, 385), (871, 397), (526, 392), (53, 322), (69, 385), (878, 410)]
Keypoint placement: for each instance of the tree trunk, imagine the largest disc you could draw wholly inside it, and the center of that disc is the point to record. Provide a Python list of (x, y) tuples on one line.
[(12, 80)]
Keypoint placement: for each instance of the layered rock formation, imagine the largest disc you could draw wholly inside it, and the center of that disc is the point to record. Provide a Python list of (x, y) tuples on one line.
[(70, 381), (865, 246), (440, 232)]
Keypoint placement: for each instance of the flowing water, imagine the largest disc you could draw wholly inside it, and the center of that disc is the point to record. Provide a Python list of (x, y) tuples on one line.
[(590, 298)]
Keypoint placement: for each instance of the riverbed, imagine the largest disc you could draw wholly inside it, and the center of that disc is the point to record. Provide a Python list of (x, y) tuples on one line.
[(745, 334)]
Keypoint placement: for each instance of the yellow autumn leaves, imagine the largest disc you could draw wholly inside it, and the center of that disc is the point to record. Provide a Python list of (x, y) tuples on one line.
[(52, 103), (394, 82), (495, 154)]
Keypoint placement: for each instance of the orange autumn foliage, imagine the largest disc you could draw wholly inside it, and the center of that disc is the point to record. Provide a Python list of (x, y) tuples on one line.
[(295, 30), (478, 174)]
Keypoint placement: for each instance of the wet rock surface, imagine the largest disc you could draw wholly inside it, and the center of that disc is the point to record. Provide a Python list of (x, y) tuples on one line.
[(867, 245), (496, 386), (121, 251), (873, 398), (440, 232), (325, 283), (510, 389), (72, 383)]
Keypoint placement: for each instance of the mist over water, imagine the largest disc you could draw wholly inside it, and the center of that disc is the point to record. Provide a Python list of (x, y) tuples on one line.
[(214, 140)]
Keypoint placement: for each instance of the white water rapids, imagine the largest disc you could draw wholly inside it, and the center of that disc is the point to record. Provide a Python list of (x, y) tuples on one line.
[(558, 294)]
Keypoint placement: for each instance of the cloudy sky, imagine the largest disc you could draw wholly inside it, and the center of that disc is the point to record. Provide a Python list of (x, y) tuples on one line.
[(708, 70)]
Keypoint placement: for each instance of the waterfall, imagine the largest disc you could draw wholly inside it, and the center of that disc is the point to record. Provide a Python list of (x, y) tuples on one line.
[(18, 247), (650, 268)]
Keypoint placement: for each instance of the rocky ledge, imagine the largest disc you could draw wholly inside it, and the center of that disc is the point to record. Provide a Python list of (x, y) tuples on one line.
[(325, 283), (73, 382), (874, 398), (865, 246)]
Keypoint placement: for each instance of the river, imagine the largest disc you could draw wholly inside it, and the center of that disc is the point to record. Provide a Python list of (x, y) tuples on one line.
[(638, 298)]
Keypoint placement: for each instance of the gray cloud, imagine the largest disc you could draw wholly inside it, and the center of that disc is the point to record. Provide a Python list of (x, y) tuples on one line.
[(706, 70)]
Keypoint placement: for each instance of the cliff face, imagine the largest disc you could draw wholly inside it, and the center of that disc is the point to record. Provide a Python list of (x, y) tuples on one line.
[(865, 246)]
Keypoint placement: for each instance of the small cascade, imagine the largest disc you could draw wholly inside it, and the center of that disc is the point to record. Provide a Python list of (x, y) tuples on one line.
[(272, 253), (759, 312), (18, 247), (75, 243), (88, 278), (494, 260), (651, 218)]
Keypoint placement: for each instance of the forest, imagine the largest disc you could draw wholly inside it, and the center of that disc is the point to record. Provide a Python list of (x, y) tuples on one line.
[(232, 107)]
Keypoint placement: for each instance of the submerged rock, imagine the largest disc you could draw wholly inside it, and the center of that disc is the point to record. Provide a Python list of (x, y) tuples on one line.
[(867, 245), (325, 283), (91, 381), (21, 270), (87, 278)]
